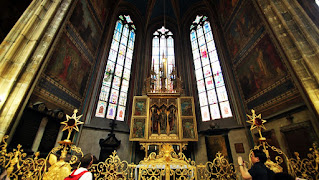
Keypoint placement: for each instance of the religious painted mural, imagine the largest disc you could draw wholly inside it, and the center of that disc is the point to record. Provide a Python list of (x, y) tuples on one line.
[(186, 105), (215, 144), (100, 9), (69, 67), (188, 128), (260, 68), (245, 23), (139, 128), (140, 107), (225, 9), (84, 23)]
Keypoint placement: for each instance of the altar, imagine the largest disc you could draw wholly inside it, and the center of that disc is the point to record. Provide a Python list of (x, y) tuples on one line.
[(163, 114)]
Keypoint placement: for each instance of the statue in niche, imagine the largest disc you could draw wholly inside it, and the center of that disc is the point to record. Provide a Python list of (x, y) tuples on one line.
[(163, 120), (172, 120), (153, 79), (173, 79), (155, 120), (162, 78)]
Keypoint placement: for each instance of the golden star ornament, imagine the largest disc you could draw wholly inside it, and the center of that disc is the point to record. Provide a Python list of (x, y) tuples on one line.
[(256, 121), (72, 122)]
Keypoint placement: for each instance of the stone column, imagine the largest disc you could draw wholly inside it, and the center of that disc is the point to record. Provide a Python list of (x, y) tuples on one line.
[(22, 56), (39, 135), (299, 39), (59, 137)]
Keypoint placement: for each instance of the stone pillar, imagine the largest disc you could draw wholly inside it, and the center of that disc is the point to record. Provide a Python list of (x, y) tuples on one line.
[(299, 38), (22, 56), (59, 137), (39, 135)]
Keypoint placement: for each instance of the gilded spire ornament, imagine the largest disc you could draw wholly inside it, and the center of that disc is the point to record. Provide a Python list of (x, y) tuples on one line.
[(72, 123), (256, 122)]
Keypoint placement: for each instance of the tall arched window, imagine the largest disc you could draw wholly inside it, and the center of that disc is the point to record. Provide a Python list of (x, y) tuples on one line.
[(113, 94), (211, 88), (163, 57), (317, 1)]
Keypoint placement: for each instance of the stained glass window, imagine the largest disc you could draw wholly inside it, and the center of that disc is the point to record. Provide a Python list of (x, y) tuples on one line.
[(212, 94), (113, 94), (163, 56)]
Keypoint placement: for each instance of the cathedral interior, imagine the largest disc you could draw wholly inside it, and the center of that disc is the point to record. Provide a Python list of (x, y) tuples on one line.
[(143, 73)]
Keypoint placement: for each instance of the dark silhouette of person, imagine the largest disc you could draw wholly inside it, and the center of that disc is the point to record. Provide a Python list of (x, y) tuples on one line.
[(258, 171)]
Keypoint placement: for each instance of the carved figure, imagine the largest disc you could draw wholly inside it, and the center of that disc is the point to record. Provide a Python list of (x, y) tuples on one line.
[(172, 120), (163, 120), (155, 120)]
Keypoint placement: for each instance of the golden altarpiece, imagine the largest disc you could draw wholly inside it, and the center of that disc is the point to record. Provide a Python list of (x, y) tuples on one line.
[(163, 114)]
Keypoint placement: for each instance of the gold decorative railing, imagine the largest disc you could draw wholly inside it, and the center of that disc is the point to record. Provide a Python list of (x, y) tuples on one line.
[(113, 168), (219, 169), (165, 165), (18, 167), (306, 168)]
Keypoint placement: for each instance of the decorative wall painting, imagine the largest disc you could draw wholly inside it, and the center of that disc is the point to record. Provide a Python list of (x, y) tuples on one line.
[(215, 144), (186, 106), (188, 128), (261, 68), (68, 66), (100, 9), (85, 24), (138, 128), (140, 107), (246, 22), (239, 147), (225, 9)]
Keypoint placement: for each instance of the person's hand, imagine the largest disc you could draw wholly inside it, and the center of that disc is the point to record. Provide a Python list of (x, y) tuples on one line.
[(240, 160)]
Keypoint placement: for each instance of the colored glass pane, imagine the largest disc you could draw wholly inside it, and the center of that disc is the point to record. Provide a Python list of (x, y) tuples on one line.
[(214, 110), (100, 109), (225, 109), (126, 74), (124, 85), (116, 82), (118, 70), (111, 111), (199, 74), (197, 63), (112, 55), (222, 94), (212, 98), (207, 71), (211, 46), (205, 113), (114, 96), (196, 54), (123, 98), (209, 83), (199, 32), (200, 86), (120, 113)]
